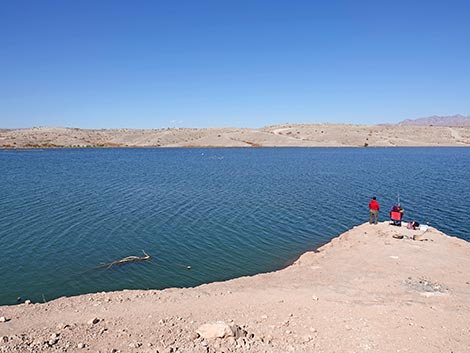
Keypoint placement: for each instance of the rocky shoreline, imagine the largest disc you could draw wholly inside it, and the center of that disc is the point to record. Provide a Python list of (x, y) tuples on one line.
[(365, 291)]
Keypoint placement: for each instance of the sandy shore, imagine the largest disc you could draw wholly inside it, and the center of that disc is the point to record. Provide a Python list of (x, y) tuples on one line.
[(365, 291), (287, 135)]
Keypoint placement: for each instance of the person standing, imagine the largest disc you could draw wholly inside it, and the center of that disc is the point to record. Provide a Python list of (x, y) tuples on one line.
[(374, 208)]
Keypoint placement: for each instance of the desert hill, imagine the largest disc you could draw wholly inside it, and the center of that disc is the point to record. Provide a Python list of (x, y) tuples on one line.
[(435, 120), (286, 135)]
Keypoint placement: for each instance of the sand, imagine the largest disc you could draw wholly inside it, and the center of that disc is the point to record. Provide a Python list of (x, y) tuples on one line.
[(365, 291), (286, 135)]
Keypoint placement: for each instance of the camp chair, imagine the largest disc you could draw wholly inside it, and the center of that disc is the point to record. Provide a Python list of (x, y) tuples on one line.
[(395, 217)]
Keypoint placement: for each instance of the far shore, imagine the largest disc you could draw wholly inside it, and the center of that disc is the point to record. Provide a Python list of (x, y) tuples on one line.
[(374, 288), (286, 135)]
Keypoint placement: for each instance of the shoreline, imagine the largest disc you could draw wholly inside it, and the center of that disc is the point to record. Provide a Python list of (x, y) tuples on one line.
[(221, 147), (362, 291)]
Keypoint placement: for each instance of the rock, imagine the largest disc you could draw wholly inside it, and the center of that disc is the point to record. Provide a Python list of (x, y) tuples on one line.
[(230, 340), (194, 336), (240, 342), (217, 329), (239, 332), (4, 319), (268, 339), (264, 317), (62, 326), (135, 345), (314, 297), (93, 321), (53, 341), (27, 302), (81, 345)]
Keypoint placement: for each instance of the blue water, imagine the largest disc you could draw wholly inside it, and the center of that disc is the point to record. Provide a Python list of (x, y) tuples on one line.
[(224, 212)]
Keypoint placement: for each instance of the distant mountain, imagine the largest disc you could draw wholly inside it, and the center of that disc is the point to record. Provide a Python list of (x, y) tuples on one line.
[(453, 120)]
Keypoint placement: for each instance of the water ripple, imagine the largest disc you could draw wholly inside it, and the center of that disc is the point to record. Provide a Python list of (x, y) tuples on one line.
[(65, 212)]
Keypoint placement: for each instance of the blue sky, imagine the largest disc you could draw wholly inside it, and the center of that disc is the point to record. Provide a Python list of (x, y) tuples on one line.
[(195, 63)]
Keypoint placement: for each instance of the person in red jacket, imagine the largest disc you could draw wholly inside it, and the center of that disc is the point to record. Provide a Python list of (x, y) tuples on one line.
[(374, 208)]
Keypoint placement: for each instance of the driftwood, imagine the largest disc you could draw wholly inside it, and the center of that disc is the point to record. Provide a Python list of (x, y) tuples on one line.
[(127, 260)]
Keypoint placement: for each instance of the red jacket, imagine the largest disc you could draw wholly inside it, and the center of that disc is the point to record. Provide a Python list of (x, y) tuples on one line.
[(374, 205)]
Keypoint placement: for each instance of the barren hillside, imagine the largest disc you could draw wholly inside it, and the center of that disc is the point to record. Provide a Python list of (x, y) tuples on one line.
[(287, 135)]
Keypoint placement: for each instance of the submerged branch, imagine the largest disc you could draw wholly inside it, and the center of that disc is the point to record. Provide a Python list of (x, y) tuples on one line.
[(128, 259)]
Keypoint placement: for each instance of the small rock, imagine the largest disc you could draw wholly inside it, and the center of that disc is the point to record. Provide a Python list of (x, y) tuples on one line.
[(268, 339), (93, 321), (194, 336), (27, 302), (53, 341), (241, 342), (307, 338), (62, 326), (4, 319), (81, 345), (217, 329), (135, 345), (264, 317), (315, 298), (230, 340)]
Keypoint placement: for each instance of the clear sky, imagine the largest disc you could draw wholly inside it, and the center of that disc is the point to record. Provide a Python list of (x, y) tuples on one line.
[(242, 63)]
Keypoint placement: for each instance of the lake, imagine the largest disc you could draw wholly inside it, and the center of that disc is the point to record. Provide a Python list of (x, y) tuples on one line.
[(224, 212)]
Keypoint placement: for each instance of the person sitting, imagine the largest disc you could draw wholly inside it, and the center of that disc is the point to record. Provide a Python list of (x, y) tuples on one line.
[(396, 214)]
